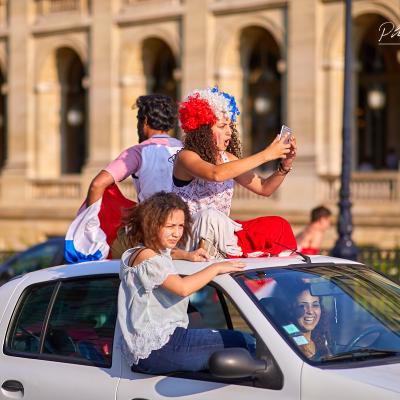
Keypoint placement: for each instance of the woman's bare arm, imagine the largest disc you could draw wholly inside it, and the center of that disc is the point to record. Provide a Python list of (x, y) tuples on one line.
[(189, 164), (185, 286), (266, 186)]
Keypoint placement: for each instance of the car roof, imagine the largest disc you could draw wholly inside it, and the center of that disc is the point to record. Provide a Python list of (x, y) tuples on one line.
[(183, 267)]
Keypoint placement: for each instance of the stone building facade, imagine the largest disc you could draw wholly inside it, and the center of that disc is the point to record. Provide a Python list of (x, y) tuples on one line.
[(71, 69)]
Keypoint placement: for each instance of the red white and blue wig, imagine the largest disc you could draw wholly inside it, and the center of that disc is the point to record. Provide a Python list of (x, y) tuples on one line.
[(205, 107)]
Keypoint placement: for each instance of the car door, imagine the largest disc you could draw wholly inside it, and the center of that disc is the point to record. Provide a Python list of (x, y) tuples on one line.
[(212, 309), (59, 343)]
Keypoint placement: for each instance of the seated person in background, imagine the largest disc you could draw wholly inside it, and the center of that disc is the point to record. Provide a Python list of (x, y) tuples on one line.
[(307, 315), (153, 298), (310, 238)]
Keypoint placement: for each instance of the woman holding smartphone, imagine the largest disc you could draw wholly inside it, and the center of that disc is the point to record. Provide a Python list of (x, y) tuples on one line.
[(210, 162)]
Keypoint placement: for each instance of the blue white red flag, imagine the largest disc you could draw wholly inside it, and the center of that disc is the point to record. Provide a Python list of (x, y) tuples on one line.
[(92, 232)]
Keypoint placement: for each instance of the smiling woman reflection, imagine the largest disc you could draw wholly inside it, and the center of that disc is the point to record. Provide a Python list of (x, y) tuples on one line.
[(308, 315)]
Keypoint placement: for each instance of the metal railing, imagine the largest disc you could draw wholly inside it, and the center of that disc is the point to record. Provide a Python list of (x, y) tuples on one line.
[(384, 260)]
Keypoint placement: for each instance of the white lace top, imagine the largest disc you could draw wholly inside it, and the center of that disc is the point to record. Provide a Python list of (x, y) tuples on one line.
[(147, 313), (200, 194)]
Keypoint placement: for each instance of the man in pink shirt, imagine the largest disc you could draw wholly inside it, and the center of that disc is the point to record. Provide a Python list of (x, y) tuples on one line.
[(149, 162)]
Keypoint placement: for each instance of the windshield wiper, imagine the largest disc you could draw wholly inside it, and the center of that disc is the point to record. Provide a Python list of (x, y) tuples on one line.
[(360, 354)]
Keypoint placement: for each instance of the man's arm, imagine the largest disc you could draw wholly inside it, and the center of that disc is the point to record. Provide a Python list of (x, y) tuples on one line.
[(97, 187)]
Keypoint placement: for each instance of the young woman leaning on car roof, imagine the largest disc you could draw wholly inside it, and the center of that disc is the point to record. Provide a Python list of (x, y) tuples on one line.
[(153, 298)]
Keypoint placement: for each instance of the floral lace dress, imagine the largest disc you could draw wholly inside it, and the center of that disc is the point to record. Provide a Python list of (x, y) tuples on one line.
[(200, 194)]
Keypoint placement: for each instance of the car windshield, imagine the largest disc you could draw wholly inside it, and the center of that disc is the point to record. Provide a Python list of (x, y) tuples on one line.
[(330, 313)]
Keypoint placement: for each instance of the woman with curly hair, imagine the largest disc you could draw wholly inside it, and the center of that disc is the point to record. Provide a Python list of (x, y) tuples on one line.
[(210, 162), (153, 298)]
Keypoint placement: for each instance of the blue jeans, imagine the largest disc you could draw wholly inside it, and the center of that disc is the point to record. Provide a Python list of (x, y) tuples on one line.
[(189, 350)]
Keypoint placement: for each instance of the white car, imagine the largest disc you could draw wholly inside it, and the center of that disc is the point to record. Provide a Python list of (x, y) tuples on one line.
[(60, 338)]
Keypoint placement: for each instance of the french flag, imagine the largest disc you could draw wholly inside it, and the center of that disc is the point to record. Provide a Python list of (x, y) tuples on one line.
[(92, 232)]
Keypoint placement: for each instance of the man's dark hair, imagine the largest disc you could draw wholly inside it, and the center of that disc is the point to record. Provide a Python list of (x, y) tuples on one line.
[(320, 212), (159, 111)]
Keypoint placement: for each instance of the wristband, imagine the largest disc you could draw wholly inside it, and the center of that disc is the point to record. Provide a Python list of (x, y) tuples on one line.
[(282, 171)]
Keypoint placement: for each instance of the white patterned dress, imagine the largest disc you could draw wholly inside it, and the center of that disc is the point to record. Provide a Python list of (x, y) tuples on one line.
[(200, 194)]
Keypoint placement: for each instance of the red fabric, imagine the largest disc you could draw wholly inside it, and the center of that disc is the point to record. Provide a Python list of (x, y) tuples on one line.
[(311, 251), (112, 206), (269, 235)]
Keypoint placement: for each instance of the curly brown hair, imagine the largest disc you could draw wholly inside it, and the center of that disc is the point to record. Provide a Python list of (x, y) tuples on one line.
[(202, 142), (144, 221)]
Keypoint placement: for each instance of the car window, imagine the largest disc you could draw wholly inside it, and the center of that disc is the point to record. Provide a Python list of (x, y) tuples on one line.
[(82, 321), (206, 310), (329, 315), (38, 257), (211, 308), (80, 325), (25, 336)]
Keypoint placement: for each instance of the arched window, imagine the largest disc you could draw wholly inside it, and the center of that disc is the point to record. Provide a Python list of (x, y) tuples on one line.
[(262, 88), (377, 111), (159, 66), (73, 130), (3, 123)]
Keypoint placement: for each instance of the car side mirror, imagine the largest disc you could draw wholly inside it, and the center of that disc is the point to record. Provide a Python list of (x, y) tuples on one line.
[(234, 363)]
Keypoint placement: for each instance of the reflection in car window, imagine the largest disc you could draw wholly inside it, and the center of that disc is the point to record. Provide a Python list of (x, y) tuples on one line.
[(82, 321), (341, 314), (36, 258), (206, 310), (80, 325), (25, 336)]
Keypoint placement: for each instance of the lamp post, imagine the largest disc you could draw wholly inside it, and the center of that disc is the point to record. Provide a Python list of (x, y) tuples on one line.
[(344, 246)]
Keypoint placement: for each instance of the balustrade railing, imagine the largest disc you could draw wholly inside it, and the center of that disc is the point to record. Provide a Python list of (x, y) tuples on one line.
[(45, 7), (66, 188), (377, 187), (132, 2), (365, 186)]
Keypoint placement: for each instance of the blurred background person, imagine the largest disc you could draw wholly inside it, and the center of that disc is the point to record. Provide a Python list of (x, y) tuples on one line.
[(310, 238)]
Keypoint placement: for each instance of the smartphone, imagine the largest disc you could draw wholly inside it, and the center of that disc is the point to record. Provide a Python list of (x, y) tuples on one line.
[(284, 130)]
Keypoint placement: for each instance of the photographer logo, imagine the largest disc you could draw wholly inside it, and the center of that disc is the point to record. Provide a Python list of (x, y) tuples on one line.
[(389, 34)]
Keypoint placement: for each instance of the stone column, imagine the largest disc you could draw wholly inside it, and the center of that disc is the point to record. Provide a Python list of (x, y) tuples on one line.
[(103, 87), (132, 84), (20, 137), (48, 121), (131, 88), (301, 183), (197, 34)]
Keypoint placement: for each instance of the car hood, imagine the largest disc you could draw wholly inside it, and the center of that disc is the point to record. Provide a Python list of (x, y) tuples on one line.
[(366, 382), (383, 376)]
